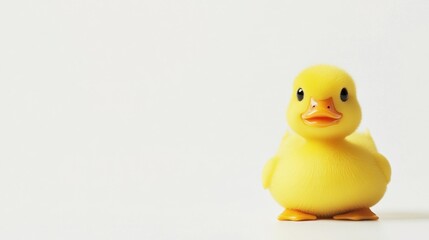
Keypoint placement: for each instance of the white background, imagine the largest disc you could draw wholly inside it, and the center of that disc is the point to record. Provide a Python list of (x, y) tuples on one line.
[(153, 119)]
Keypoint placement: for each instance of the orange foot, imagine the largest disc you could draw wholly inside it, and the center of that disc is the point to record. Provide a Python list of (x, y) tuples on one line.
[(356, 215), (295, 215)]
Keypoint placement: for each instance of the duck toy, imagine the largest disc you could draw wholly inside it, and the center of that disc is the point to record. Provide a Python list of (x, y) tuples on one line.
[(326, 169)]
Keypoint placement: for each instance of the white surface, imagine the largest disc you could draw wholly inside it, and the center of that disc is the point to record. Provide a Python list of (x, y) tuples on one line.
[(153, 119)]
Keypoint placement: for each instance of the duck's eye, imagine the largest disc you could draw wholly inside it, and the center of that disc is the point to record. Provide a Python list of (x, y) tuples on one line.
[(344, 95), (300, 94)]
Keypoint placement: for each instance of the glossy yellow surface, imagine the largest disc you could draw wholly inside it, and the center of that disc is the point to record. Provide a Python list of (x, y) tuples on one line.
[(325, 169)]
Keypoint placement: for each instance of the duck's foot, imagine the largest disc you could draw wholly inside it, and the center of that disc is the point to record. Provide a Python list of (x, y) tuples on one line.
[(357, 215), (295, 215)]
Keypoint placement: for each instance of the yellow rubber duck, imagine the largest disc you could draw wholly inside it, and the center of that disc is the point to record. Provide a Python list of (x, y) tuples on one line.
[(325, 170)]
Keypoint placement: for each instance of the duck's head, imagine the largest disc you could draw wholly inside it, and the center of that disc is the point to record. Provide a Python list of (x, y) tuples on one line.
[(324, 104)]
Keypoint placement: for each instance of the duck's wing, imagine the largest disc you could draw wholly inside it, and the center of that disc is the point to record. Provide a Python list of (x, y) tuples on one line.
[(384, 165), (365, 140), (268, 171), (270, 166)]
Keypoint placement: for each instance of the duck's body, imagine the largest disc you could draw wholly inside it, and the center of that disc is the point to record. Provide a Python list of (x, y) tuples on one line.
[(328, 178), (324, 170)]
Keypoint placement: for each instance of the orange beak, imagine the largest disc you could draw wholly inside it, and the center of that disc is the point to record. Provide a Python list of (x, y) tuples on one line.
[(321, 113)]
